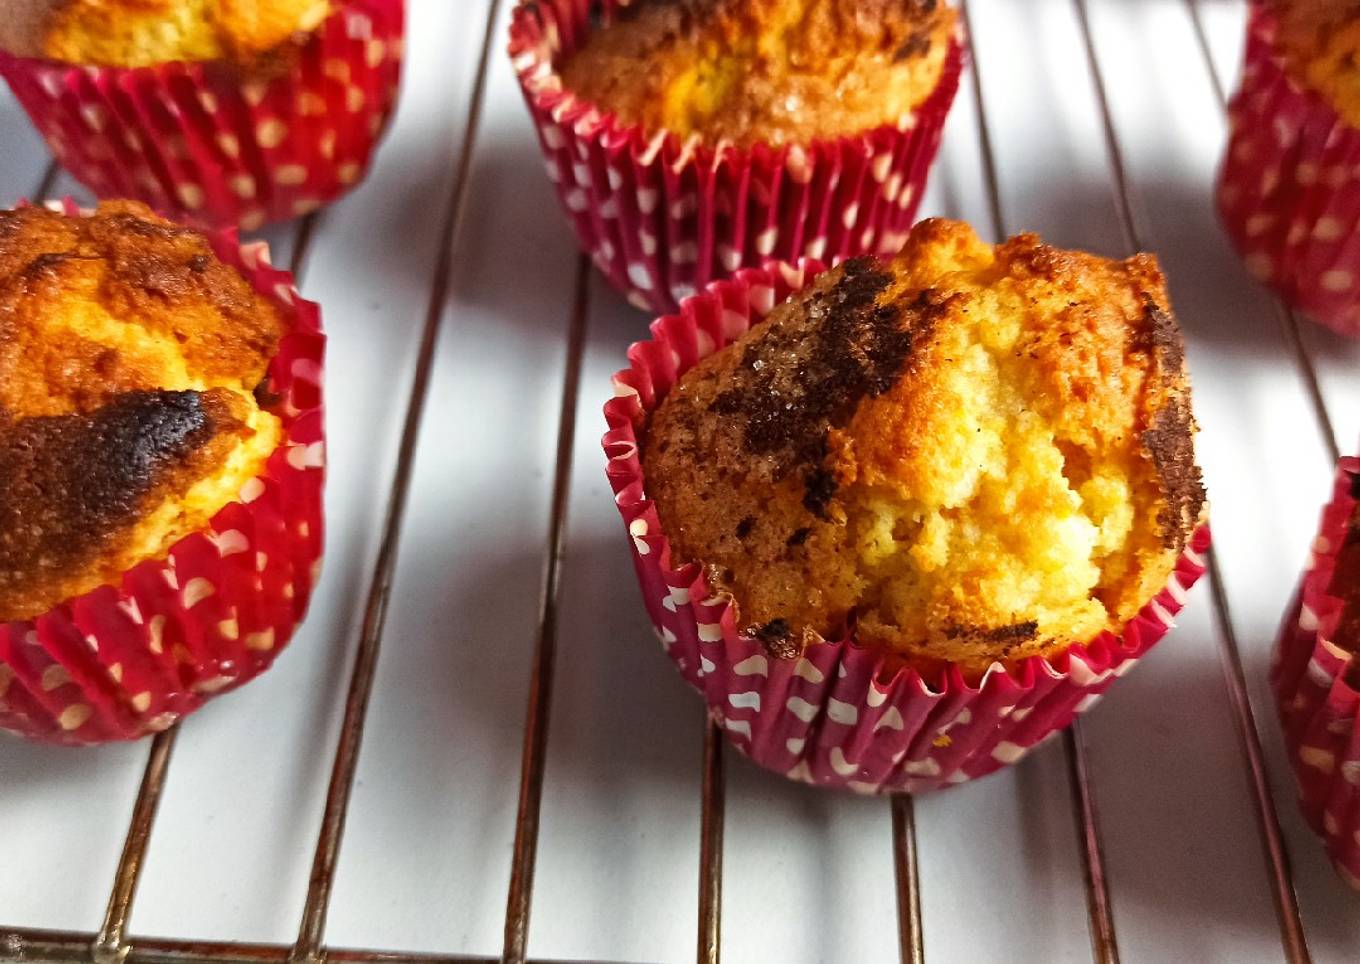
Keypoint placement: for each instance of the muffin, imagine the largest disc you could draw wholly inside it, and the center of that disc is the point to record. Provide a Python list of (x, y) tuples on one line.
[(1317, 680), (217, 113), (139, 405), (689, 139), (1287, 186), (969, 471)]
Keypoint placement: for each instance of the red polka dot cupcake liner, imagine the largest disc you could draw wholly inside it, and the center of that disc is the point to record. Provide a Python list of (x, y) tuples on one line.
[(1317, 685), (130, 659), (1289, 187), (211, 146), (662, 216), (840, 714)]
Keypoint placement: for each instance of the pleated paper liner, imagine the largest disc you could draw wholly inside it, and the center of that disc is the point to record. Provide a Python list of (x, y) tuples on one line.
[(1289, 188), (127, 660), (214, 146), (1316, 684), (840, 715), (662, 217)]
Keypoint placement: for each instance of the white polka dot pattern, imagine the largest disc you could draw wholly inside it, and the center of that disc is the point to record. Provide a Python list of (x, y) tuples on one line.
[(130, 659), (1289, 192), (837, 716), (661, 217), (1315, 684), (203, 147)]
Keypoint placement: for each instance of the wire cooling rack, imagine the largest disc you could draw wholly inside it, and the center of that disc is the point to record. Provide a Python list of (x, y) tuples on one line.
[(1214, 26)]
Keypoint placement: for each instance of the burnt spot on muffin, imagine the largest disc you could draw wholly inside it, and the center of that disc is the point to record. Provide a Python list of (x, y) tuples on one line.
[(73, 482), (806, 376), (1170, 443), (45, 264), (917, 45), (265, 396), (745, 526), (1014, 633), (774, 630), (799, 537), (777, 638), (819, 488)]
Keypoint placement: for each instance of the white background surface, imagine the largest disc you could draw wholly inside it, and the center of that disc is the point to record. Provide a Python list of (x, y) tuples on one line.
[(426, 860)]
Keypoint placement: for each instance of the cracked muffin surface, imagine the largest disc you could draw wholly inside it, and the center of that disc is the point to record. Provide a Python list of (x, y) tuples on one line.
[(131, 359), (774, 71), (967, 454)]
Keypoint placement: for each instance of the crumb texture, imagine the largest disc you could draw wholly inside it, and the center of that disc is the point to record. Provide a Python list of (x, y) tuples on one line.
[(969, 454), (130, 357), (140, 33), (774, 71), (1320, 41)]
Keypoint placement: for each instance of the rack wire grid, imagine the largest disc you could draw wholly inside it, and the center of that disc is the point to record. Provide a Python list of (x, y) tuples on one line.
[(472, 541)]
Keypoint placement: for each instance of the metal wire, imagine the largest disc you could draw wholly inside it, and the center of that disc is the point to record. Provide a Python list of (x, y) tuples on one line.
[(910, 935), (711, 847), (312, 929), (1288, 320), (69, 947), (1100, 918), (45, 184), (533, 763), (1099, 908), (111, 945), (302, 246), (1292, 933), (984, 130)]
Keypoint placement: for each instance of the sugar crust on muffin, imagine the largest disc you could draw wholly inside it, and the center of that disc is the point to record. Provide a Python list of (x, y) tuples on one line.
[(968, 454), (773, 71), (140, 33), (130, 362)]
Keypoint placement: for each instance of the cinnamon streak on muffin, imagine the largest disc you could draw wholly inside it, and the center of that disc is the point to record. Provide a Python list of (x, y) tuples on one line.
[(967, 454), (129, 358)]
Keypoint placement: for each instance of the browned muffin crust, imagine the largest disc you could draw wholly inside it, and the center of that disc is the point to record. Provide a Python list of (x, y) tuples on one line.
[(126, 263), (777, 71), (128, 355), (961, 407), (252, 34)]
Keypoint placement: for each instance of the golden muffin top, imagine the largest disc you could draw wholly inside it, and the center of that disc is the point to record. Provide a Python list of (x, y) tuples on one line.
[(968, 454), (774, 71), (142, 33), (1320, 41), (129, 359)]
